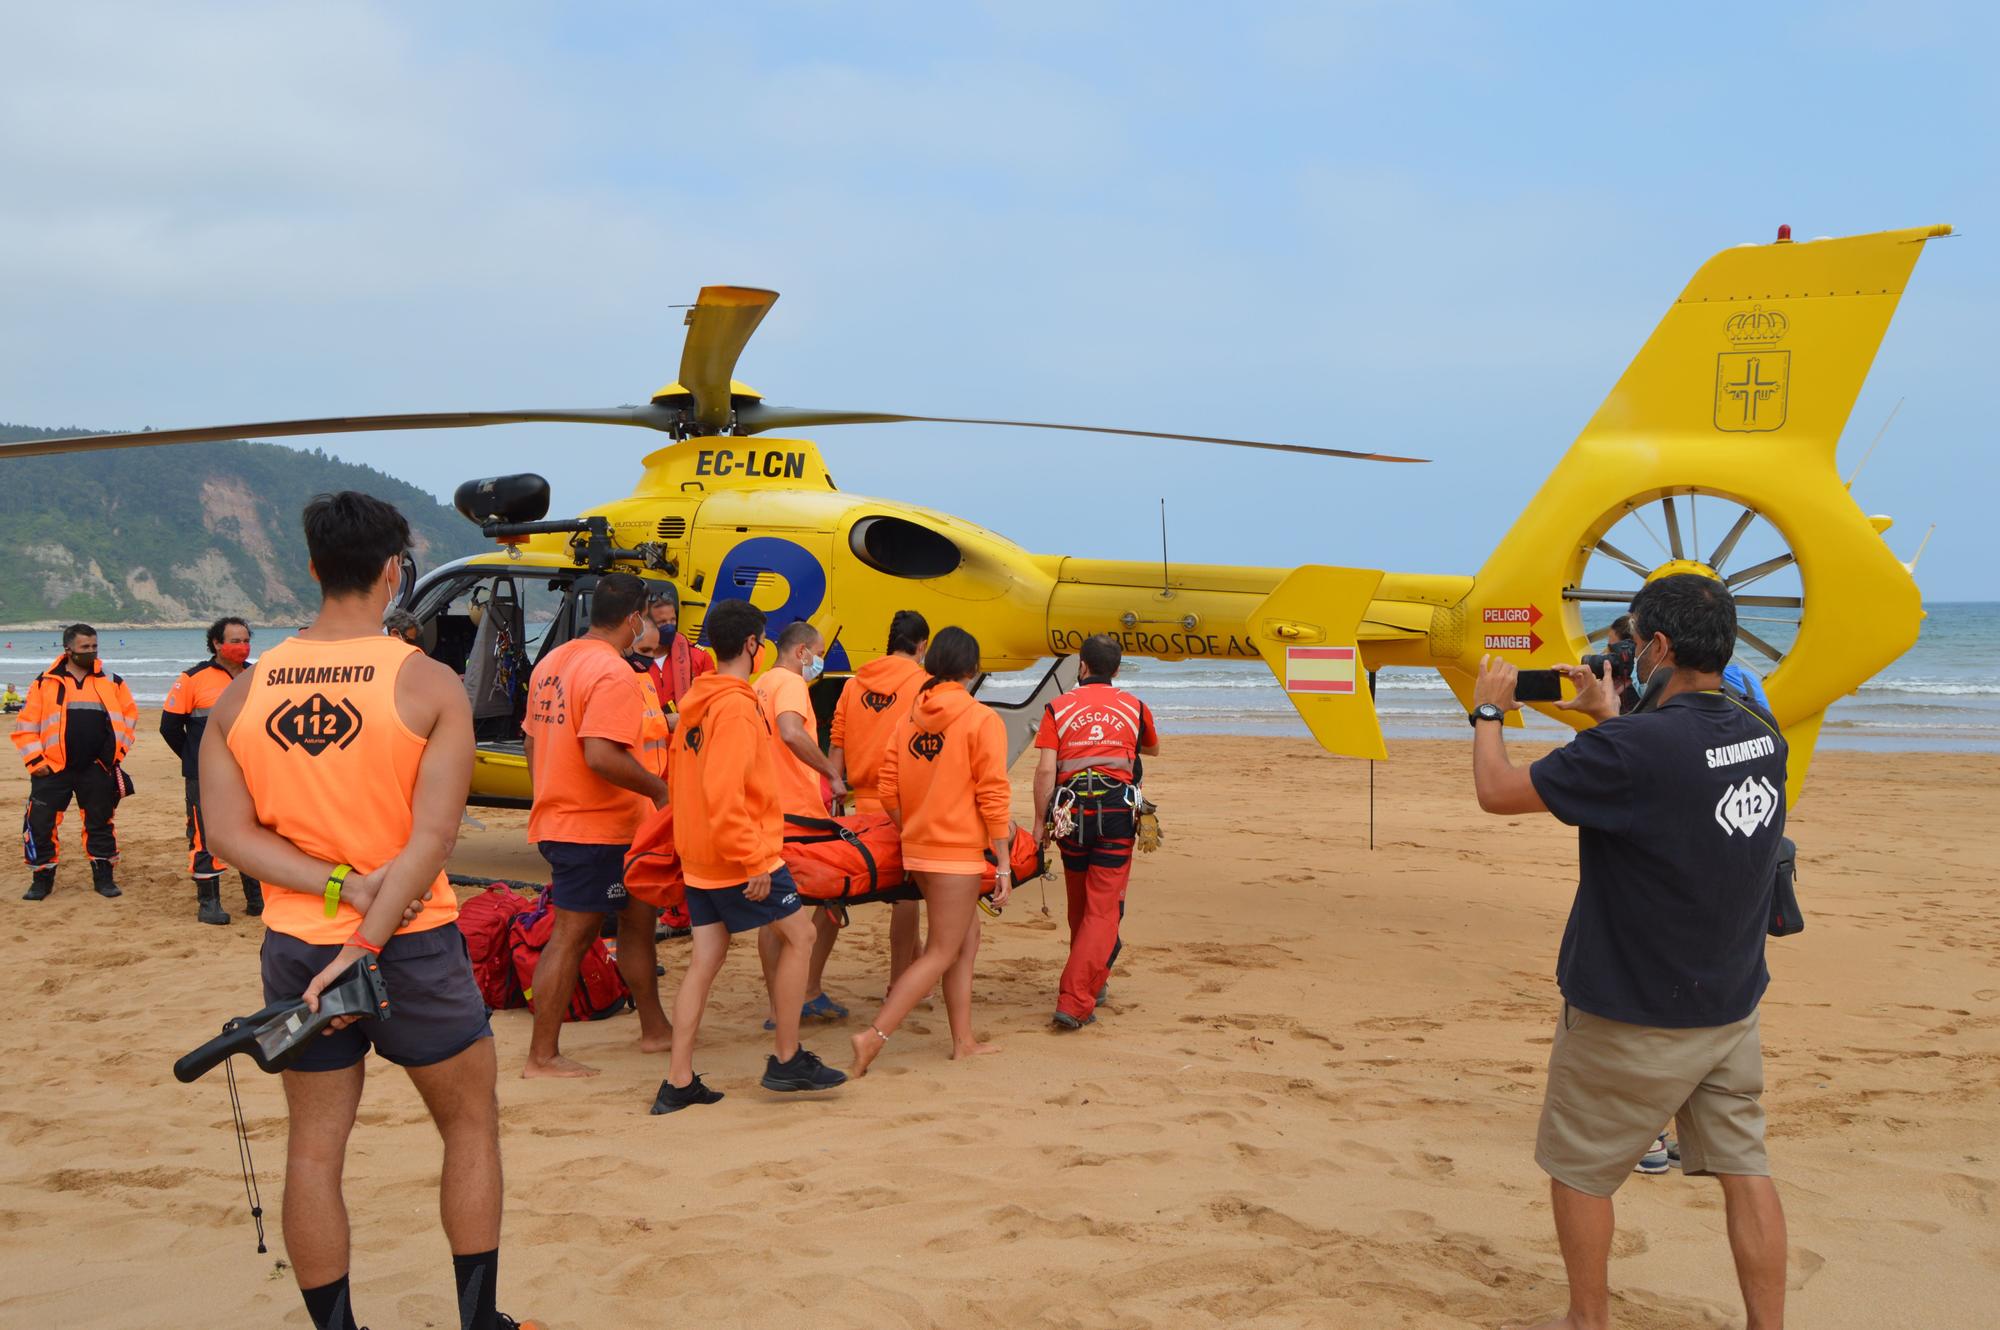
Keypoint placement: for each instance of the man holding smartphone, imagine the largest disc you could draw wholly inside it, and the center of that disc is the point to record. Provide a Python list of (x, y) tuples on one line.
[(1679, 810)]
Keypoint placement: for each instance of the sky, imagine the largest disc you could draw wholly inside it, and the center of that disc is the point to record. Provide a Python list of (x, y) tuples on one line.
[(1423, 228)]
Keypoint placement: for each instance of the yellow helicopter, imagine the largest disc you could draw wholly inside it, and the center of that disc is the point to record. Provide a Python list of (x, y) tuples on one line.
[(1730, 412)]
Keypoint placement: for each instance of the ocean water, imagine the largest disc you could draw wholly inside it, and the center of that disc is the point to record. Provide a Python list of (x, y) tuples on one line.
[(1944, 694)]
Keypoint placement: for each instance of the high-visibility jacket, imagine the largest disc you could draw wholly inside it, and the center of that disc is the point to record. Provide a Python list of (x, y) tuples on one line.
[(184, 715), (40, 728), (653, 731)]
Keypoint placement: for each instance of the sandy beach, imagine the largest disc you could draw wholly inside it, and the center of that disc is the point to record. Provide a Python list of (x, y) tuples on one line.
[(1311, 1101)]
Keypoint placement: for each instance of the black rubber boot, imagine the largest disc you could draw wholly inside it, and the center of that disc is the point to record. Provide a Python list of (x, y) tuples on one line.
[(253, 896), (44, 882), (208, 891), (100, 879)]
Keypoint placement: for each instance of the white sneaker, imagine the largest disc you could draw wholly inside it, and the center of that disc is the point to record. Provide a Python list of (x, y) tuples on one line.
[(1656, 1159)]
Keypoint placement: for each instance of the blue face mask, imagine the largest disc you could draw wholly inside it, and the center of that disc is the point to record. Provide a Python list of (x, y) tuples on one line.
[(813, 668)]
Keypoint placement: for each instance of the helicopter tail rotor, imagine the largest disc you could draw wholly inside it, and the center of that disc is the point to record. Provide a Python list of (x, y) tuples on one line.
[(1714, 455)]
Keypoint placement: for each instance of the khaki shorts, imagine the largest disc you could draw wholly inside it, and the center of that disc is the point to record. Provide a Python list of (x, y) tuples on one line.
[(1612, 1087)]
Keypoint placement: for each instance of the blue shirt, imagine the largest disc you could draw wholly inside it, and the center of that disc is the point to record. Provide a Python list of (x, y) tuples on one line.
[(1746, 683)]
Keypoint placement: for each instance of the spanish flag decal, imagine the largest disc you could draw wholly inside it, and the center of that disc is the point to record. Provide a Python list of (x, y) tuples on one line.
[(1319, 669)]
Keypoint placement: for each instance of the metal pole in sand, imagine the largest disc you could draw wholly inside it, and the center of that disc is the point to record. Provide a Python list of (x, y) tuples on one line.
[(1371, 770)]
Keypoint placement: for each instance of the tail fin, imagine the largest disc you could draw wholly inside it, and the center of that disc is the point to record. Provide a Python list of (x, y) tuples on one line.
[(1308, 631), (1739, 397)]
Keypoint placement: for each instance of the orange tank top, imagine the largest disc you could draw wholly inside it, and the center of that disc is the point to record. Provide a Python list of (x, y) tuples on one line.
[(332, 768)]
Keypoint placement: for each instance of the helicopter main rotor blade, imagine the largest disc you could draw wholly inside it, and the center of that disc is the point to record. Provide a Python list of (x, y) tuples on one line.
[(719, 326), (757, 418), (647, 417)]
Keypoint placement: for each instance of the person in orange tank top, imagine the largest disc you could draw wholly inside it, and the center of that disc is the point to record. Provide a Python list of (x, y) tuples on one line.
[(944, 779), (875, 697), (583, 735), (335, 771), (1090, 742)]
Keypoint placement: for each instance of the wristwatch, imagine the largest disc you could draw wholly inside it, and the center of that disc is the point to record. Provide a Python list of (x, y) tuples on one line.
[(1485, 711)]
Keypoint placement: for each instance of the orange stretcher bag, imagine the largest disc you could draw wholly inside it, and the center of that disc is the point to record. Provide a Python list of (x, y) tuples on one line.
[(1024, 857), (652, 865), (852, 860), (847, 859)]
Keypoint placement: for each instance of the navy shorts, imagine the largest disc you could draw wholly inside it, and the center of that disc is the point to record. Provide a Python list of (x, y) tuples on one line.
[(435, 1011), (736, 912), (586, 878)]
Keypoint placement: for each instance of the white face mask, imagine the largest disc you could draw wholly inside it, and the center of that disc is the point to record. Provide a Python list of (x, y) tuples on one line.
[(1652, 679), (813, 667)]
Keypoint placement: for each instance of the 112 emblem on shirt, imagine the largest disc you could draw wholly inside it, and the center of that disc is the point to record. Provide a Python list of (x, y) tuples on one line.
[(315, 724), (875, 701), (927, 745), (1747, 806)]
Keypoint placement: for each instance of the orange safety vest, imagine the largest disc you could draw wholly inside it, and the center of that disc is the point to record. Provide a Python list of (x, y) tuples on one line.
[(40, 727), (653, 731)]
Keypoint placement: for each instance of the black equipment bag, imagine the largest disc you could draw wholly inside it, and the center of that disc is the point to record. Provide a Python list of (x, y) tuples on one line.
[(1785, 916)]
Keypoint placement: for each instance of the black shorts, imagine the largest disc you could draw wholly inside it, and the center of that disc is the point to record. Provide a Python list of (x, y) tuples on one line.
[(435, 1011), (736, 912), (589, 879)]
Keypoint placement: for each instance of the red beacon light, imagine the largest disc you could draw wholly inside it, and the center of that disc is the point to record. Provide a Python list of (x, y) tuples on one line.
[(1785, 234)]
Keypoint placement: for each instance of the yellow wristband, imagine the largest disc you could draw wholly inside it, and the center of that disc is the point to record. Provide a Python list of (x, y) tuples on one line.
[(333, 881)]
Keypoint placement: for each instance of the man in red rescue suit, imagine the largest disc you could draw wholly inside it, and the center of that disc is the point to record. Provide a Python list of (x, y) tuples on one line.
[(679, 661), (1087, 774), (78, 723), (183, 717)]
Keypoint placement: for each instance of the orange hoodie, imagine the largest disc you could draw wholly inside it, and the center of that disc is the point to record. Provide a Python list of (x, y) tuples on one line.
[(874, 700), (728, 825), (945, 770)]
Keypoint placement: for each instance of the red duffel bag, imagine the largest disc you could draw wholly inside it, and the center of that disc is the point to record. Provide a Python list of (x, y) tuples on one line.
[(600, 989), (485, 921), (653, 866)]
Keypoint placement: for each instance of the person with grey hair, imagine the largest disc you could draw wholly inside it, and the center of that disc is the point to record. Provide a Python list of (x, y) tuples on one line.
[(403, 624)]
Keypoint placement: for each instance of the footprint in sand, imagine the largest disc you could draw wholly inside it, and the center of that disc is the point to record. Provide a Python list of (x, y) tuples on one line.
[(1969, 1195), (1804, 1264)]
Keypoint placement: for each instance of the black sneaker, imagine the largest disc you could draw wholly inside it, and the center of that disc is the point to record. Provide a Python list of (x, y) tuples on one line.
[(1069, 1022), (40, 885), (672, 1098), (803, 1072)]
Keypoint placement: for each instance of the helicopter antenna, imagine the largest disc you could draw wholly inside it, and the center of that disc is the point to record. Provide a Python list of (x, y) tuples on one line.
[(1922, 545), (1165, 590), (1877, 439)]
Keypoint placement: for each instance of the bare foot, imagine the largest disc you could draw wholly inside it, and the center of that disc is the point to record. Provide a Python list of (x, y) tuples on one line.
[(866, 1045), (660, 1043), (535, 1068), (972, 1050)]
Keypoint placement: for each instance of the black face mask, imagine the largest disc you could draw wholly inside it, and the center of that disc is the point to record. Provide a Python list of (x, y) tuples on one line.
[(83, 660)]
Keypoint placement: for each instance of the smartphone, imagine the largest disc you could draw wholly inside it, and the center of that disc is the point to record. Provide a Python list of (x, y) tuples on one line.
[(1538, 686)]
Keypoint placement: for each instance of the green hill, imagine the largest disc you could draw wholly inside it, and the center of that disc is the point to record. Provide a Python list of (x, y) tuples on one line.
[(181, 533)]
